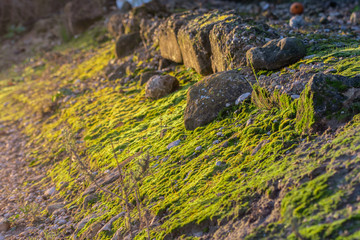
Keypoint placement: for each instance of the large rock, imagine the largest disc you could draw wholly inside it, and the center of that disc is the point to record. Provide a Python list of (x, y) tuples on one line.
[(160, 85), (230, 39), (276, 54), (81, 14), (127, 43), (169, 46), (193, 39), (208, 97)]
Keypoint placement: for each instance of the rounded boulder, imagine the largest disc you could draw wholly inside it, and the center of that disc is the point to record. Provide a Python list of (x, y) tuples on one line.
[(160, 86), (276, 54)]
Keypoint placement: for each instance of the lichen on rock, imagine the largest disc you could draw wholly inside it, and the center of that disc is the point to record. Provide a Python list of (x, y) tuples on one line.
[(207, 98)]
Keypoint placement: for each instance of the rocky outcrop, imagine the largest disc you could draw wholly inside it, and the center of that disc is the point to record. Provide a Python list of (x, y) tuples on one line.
[(211, 42), (168, 42), (276, 54), (160, 86), (208, 97)]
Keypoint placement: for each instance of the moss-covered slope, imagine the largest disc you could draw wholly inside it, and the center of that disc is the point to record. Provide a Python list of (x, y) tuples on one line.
[(255, 164)]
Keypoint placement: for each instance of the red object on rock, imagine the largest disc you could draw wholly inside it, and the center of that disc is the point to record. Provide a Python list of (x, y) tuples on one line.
[(296, 8)]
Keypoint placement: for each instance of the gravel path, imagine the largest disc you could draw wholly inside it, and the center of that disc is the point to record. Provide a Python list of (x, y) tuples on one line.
[(21, 200)]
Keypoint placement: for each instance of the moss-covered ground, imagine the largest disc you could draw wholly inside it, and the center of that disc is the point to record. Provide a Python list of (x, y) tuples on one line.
[(243, 153)]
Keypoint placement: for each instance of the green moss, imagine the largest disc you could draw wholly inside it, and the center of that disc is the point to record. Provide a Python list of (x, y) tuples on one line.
[(305, 116)]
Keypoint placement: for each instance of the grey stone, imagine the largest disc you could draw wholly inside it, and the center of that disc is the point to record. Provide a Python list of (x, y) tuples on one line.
[(242, 98), (173, 144), (208, 97), (160, 86), (198, 148), (218, 163), (51, 191), (297, 21), (276, 54)]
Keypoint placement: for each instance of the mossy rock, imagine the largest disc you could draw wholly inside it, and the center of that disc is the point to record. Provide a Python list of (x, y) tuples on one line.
[(207, 98), (194, 40), (231, 38)]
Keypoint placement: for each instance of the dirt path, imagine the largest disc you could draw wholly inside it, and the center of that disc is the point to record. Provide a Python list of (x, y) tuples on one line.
[(21, 200)]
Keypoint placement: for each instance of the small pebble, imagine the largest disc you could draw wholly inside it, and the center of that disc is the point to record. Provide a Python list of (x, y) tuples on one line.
[(242, 98), (50, 191), (198, 148), (173, 144), (297, 22)]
